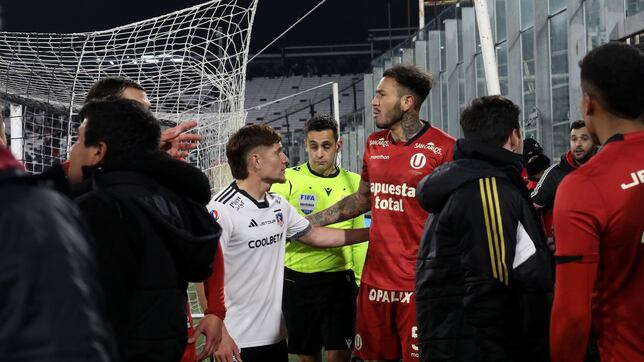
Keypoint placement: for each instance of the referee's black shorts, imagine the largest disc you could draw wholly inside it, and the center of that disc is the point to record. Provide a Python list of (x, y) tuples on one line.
[(320, 311)]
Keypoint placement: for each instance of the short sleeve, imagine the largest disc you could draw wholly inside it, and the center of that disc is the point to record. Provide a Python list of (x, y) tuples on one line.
[(296, 224), (222, 215), (365, 165), (449, 153), (578, 218)]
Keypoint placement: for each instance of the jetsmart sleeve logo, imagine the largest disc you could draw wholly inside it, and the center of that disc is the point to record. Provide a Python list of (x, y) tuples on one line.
[(391, 196)]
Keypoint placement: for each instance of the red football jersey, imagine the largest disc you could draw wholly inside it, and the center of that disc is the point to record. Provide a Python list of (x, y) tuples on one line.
[(599, 215), (393, 170)]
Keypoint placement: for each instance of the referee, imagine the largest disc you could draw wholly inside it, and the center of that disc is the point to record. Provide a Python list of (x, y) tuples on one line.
[(320, 284)]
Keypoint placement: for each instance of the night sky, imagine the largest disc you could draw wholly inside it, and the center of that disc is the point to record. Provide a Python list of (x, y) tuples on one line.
[(335, 22)]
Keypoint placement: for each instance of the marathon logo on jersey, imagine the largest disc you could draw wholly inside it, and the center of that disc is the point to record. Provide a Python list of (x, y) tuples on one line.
[(430, 146), (307, 203), (279, 217), (269, 240), (379, 142), (389, 296), (382, 201), (379, 157)]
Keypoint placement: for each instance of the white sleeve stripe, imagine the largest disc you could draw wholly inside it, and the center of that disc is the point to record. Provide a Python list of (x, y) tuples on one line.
[(224, 193), (543, 177)]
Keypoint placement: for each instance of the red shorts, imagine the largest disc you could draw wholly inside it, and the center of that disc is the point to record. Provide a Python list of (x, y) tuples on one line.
[(386, 325)]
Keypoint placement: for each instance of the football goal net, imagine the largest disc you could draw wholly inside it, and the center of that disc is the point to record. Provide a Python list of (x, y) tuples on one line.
[(191, 63)]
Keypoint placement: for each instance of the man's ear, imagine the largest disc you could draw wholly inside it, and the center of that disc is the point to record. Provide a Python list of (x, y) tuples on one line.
[(98, 154), (588, 104), (338, 144), (516, 142), (407, 102)]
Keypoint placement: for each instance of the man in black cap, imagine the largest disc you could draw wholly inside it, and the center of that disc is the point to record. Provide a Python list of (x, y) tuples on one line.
[(534, 161)]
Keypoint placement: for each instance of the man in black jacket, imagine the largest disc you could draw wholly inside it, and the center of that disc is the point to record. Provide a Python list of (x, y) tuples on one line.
[(50, 298), (482, 275), (582, 148), (153, 235)]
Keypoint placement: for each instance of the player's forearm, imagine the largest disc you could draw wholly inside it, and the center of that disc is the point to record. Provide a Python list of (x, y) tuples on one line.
[(348, 208), (568, 336), (571, 313), (214, 287), (324, 237), (201, 296), (354, 236)]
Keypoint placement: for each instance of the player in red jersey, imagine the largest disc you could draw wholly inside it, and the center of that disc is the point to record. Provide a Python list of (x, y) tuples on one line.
[(599, 217), (395, 159)]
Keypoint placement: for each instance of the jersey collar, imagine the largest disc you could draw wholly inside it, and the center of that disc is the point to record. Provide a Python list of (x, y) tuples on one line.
[(614, 138), (260, 204), (334, 174)]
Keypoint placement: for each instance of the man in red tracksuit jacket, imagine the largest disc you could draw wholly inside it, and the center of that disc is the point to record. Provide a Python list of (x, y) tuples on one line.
[(598, 216)]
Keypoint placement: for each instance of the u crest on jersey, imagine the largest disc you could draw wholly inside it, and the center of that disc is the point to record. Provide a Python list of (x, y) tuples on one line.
[(418, 160)]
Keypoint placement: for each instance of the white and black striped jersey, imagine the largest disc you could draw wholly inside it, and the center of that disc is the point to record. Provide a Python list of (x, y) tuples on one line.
[(253, 242)]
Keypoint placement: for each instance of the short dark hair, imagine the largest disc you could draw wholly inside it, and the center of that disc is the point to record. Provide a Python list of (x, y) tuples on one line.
[(614, 72), (243, 141), (127, 129), (414, 79), (490, 119), (110, 87), (321, 123), (577, 124)]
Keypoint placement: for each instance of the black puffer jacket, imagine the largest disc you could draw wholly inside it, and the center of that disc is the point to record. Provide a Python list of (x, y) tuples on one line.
[(153, 235), (50, 297), (478, 298)]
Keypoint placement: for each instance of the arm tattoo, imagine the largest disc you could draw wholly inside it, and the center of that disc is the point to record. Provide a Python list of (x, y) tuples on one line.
[(348, 208)]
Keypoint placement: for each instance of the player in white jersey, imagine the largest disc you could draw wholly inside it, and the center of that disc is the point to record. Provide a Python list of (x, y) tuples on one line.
[(256, 224)]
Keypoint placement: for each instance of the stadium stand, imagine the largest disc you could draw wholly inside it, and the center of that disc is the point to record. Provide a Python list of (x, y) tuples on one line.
[(298, 109)]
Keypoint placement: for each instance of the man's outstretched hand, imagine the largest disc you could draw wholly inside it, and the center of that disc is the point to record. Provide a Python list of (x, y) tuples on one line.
[(177, 143)]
